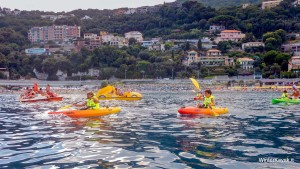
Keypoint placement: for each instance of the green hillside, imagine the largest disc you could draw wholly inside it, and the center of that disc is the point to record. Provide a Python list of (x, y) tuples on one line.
[(225, 3)]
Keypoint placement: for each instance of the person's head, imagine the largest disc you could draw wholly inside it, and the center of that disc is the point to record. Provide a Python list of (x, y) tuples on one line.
[(90, 95), (41, 89), (284, 91), (207, 93)]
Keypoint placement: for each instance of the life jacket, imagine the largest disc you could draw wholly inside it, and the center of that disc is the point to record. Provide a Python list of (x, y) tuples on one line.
[(208, 101), (92, 105), (284, 95)]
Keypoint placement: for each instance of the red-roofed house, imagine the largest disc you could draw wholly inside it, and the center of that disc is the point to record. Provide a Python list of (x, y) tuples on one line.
[(233, 35), (246, 63)]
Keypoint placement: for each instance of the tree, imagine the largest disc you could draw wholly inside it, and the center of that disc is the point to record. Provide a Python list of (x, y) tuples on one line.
[(132, 41), (199, 45)]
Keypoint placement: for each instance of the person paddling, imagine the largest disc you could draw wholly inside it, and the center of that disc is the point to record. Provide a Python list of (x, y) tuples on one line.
[(208, 100), (91, 103), (296, 93)]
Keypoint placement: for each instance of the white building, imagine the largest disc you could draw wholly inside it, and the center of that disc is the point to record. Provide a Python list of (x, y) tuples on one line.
[(130, 11), (270, 4), (138, 36), (294, 64), (246, 63), (252, 44), (89, 36), (106, 38), (192, 57)]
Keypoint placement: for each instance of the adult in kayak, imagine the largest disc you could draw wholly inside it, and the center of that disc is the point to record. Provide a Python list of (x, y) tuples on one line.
[(208, 100), (296, 93), (91, 103)]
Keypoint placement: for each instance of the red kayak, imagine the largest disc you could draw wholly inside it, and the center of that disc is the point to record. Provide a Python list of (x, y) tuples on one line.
[(41, 99), (203, 111)]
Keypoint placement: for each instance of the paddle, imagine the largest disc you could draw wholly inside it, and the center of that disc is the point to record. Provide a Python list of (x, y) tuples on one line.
[(196, 84), (68, 106)]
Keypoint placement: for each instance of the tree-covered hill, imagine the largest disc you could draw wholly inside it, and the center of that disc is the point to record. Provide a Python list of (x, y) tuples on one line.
[(191, 21)]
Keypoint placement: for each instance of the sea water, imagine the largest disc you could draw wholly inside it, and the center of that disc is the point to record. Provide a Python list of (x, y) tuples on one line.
[(149, 133)]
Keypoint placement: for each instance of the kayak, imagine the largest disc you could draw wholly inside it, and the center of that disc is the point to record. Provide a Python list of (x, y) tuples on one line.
[(120, 98), (88, 113), (41, 99), (203, 111), (285, 100), (111, 92)]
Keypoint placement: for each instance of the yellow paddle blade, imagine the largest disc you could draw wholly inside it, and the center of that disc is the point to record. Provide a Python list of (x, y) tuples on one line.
[(196, 84), (66, 107), (105, 90)]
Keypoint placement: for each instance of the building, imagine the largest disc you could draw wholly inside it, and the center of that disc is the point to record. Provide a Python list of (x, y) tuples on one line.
[(245, 5), (192, 57), (157, 47), (53, 33), (138, 36), (142, 10), (89, 36), (291, 48), (246, 63), (270, 4), (214, 57), (252, 44), (5, 72), (130, 11), (106, 38), (86, 18), (215, 28), (231, 35), (36, 51), (118, 41), (294, 64)]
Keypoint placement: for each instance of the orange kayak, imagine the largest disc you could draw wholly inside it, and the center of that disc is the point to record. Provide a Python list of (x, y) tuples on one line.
[(203, 111), (89, 113), (41, 99)]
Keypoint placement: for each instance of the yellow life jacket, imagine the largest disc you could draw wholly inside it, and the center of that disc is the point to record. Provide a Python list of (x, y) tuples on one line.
[(92, 105), (208, 101), (284, 95)]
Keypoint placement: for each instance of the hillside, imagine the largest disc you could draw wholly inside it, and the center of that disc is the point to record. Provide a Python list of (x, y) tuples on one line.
[(225, 3)]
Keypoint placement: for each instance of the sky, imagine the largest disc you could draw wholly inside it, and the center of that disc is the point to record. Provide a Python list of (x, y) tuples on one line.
[(69, 5)]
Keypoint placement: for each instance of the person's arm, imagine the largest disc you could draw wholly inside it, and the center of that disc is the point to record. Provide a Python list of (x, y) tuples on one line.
[(80, 105), (212, 103), (95, 100)]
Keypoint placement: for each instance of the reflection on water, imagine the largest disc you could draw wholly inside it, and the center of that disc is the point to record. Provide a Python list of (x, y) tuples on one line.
[(151, 134)]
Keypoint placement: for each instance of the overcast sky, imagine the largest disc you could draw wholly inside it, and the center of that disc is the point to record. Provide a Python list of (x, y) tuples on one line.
[(69, 5)]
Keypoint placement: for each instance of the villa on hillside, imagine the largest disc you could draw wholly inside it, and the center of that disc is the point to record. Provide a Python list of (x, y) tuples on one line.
[(192, 57), (252, 44), (212, 58), (294, 64), (246, 63), (230, 35), (138, 36), (291, 48), (214, 28), (270, 4)]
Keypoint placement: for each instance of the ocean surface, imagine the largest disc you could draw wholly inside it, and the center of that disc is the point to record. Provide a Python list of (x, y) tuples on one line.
[(151, 134)]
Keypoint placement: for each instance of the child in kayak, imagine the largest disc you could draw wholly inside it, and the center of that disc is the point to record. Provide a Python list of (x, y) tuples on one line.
[(284, 95), (91, 103), (208, 100)]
